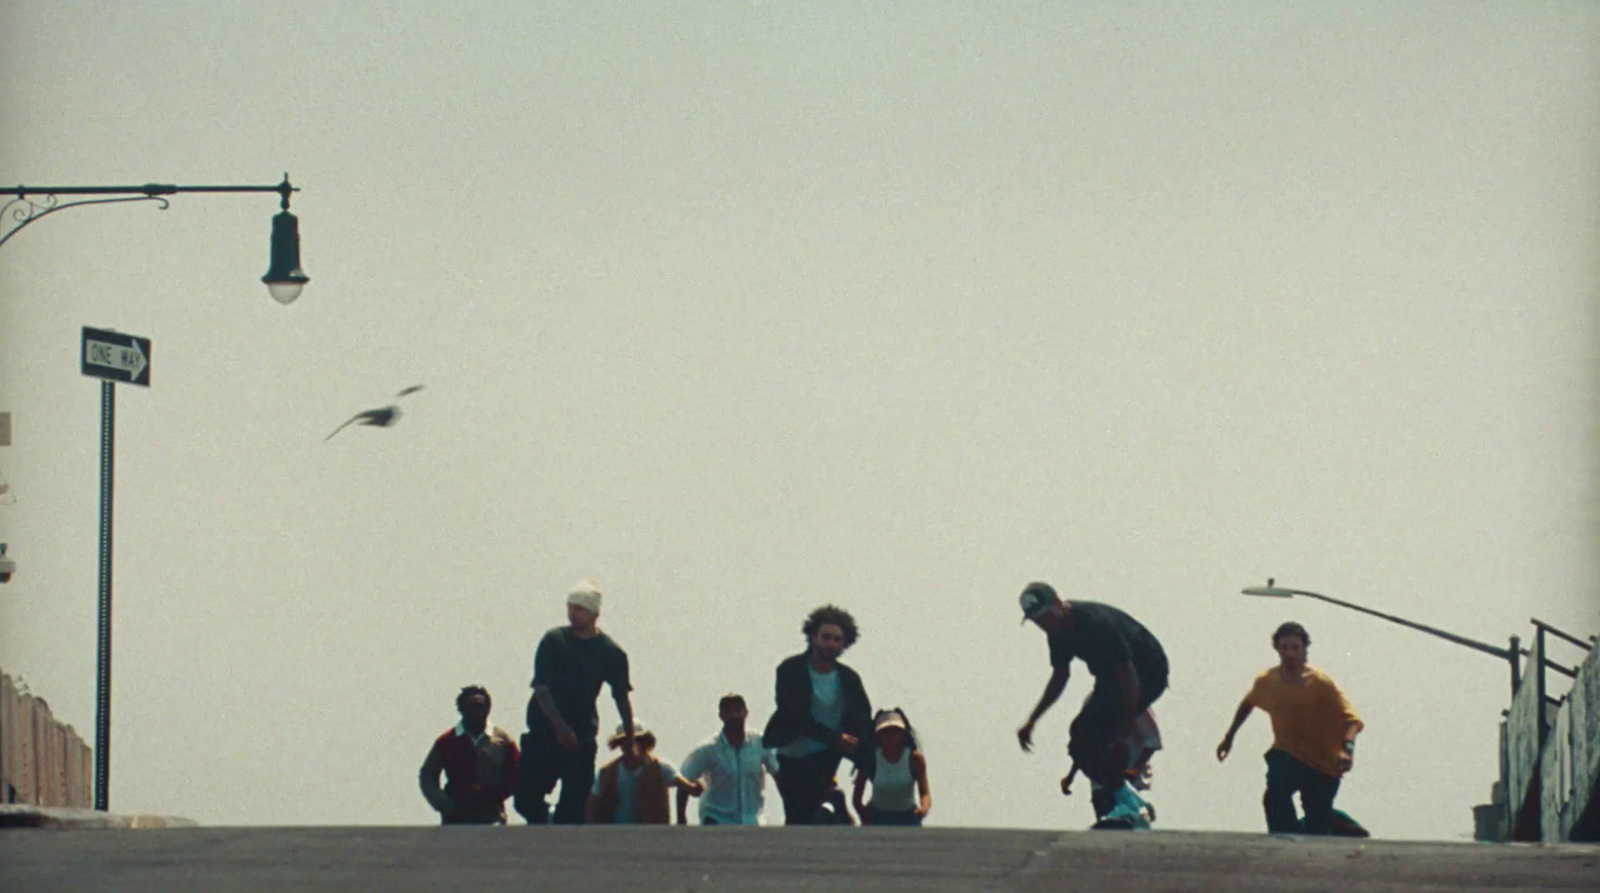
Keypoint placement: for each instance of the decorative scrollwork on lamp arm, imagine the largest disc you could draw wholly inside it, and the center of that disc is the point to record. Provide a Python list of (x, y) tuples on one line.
[(22, 210)]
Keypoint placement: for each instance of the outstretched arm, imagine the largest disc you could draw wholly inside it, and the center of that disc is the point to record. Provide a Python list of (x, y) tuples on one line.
[(1052, 693), (1239, 716)]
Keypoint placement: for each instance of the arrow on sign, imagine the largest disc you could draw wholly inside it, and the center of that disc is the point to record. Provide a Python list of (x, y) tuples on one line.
[(125, 358)]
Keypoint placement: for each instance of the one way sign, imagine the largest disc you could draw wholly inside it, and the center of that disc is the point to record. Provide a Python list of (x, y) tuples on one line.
[(116, 356)]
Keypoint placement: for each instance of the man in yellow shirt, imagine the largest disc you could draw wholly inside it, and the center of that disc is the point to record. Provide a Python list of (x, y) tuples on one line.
[(1314, 732)]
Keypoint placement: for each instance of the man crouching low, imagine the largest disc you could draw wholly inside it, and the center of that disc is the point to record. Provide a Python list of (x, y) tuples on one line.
[(632, 789)]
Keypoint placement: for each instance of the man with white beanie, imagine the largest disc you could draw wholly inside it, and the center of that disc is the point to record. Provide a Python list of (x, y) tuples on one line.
[(570, 665)]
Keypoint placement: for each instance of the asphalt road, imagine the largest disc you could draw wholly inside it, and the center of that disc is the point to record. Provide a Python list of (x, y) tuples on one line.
[(860, 860)]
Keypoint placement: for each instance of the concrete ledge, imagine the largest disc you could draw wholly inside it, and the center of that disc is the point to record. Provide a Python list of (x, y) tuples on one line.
[(20, 816)]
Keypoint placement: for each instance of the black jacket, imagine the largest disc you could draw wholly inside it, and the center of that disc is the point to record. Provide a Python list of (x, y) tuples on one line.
[(793, 720)]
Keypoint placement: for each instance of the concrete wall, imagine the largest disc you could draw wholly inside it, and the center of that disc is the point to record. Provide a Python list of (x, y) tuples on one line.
[(1524, 743), (42, 762), (1570, 763)]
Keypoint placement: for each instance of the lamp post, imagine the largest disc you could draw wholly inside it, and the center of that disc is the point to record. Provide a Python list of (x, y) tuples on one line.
[(1508, 655), (284, 278)]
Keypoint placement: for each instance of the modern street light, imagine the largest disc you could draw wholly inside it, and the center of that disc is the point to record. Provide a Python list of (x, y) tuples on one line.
[(1509, 655), (284, 278)]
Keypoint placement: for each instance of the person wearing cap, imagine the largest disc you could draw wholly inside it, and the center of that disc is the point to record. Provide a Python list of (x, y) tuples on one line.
[(898, 773), (823, 716), (1130, 672), (479, 762), (733, 768), (632, 789), (1314, 732), (570, 665)]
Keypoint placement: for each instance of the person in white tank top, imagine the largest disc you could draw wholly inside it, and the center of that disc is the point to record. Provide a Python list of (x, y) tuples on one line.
[(898, 774)]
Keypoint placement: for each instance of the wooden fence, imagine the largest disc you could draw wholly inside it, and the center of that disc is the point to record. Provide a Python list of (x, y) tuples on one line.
[(42, 761)]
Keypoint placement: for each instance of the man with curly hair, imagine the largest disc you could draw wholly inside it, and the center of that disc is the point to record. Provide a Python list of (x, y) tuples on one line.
[(823, 716)]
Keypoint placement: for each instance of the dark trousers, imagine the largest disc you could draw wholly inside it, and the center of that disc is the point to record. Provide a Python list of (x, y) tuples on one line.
[(544, 763), (1287, 775), (804, 783), (1097, 725)]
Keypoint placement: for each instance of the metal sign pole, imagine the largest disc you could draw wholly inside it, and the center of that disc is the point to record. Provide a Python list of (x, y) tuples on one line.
[(102, 723)]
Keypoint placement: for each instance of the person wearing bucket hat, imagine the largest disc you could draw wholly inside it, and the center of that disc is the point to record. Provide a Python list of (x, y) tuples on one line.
[(632, 789), (1130, 672), (571, 664), (898, 773)]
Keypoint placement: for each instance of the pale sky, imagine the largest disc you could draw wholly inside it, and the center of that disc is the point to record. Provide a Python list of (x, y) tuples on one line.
[(741, 308)]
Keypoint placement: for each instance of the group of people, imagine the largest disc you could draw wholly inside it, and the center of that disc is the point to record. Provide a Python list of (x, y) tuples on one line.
[(824, 716)]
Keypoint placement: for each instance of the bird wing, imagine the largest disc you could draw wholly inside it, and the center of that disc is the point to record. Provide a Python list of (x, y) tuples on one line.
[(411, 390), (344, 426)]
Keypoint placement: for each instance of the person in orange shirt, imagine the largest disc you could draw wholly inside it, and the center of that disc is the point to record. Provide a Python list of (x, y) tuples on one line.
[(1314, 732)]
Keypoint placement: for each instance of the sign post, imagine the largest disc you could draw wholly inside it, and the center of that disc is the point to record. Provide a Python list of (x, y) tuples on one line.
[(111, 357)]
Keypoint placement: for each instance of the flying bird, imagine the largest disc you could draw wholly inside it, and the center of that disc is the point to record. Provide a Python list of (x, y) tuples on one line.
[(381, 418)]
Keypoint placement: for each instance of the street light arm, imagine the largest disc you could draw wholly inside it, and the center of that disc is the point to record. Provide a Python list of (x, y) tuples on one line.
[(25, 211), (284, 278), (1502, 653), (147, 189)]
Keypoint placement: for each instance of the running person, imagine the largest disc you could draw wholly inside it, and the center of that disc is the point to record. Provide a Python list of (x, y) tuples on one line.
[(1314, 732), (1130, 672), (898, 773)]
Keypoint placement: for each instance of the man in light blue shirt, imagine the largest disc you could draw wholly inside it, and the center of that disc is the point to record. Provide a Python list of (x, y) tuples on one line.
[(734, 768)]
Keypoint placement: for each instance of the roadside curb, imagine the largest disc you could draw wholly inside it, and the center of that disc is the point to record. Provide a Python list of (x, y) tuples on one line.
[(16, 815)]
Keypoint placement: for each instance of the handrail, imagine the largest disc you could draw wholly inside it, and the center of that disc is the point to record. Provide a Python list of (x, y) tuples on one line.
[(1568, 636)]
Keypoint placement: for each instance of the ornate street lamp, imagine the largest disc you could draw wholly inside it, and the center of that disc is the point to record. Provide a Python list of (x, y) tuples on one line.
[(284, 278)]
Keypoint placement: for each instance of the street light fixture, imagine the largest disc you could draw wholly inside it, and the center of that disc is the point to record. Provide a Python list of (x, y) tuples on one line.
[(1506, 654), (284, 278)]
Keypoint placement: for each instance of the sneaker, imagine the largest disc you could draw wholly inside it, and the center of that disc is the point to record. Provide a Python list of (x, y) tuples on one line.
[(1121, 823)]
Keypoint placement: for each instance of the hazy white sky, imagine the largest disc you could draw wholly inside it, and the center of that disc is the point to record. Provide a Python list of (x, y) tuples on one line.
[(745, 307)]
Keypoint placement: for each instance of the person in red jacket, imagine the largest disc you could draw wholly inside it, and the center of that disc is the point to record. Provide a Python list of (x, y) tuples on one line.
[(479, 762)]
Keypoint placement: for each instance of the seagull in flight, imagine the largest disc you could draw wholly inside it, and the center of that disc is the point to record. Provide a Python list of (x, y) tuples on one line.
[(382, 417)]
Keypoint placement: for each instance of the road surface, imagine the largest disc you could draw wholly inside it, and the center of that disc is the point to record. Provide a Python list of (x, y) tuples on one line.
[(859, 860)]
